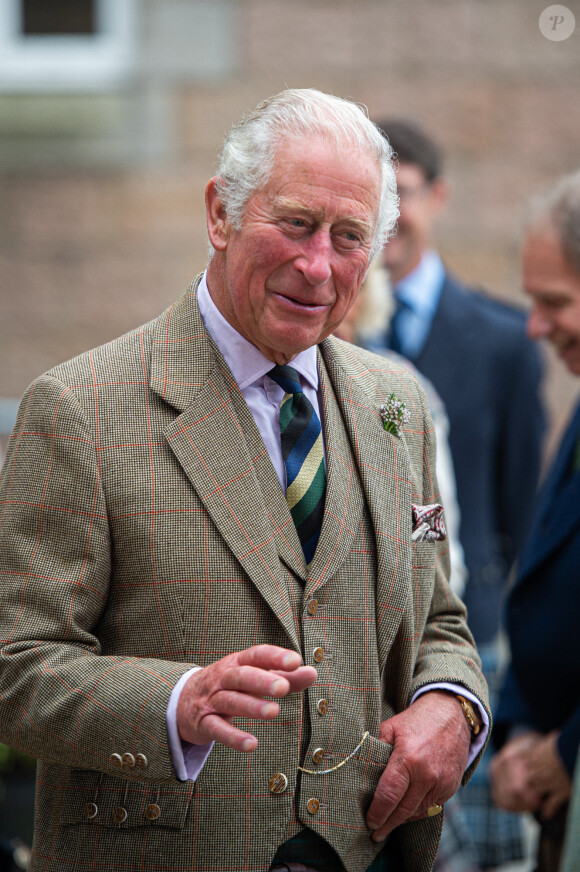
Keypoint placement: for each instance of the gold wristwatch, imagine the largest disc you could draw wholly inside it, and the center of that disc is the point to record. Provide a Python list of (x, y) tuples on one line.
[(470, 714)]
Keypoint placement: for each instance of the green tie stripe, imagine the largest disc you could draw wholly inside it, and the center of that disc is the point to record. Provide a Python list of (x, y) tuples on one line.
[(303, 508), (286, 411), (303, 453), (301, 486)]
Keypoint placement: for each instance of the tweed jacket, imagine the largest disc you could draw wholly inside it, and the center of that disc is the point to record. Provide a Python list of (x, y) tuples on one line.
[(143, 529)]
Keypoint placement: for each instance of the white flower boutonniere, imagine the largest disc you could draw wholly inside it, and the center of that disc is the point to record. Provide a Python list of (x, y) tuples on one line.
[(394, 414)]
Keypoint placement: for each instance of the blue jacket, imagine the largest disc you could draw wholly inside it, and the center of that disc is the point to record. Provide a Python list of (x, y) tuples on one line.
[(487, 373), (542, 687)]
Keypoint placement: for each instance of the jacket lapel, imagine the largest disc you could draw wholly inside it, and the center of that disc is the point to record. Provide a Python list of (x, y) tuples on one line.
[(285, 534), (450, 319), (217, 443), (382, 462), (209, 442), (344, 500), (558, 509)]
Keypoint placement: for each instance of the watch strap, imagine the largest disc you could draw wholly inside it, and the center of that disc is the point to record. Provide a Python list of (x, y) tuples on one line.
[(470, 714)]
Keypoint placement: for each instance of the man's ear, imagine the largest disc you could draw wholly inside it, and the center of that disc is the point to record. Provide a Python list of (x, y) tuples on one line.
[(439, 194), (218, 226)]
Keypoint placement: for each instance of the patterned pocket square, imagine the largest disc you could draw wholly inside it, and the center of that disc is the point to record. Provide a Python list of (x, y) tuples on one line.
[(428, 522)]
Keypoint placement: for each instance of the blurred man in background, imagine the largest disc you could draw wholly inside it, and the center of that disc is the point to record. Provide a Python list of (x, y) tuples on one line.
[(539, 709), (475, 352)]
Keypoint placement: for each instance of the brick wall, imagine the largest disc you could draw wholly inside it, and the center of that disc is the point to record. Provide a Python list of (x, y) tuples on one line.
[(89, 251)]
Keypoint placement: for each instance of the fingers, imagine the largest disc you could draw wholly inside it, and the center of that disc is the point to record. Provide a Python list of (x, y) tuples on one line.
[(267, 670), (270, 657), (396, 801), (510, 784), (258, 682), (518, 775), (430, 743), (551, 805), (250, 679), (301, 678), (515, 797), (236, 686), (241, 705), (220, 730), (382, 812)]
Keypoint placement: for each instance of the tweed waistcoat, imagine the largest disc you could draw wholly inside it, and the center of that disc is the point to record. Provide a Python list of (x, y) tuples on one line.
[(154, 534)]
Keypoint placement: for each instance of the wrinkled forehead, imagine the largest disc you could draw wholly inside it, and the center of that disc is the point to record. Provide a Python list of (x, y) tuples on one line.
[(335, 144), (320, 165)]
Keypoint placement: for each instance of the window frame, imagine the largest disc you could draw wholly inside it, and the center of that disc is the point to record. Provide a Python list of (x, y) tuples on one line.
[(72, 62)]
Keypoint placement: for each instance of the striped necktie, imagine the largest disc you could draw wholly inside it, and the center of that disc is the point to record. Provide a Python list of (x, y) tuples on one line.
[(304, 458)]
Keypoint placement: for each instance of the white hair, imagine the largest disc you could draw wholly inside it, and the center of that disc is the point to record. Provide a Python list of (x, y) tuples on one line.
[(249, 149), (377, 305), (560, 209)]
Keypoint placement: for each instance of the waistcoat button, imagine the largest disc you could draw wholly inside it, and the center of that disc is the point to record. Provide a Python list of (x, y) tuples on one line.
[(318, 755), (313, 805), (312, 606), (278, 783), (322, 706), (120, 814), (318, 655)]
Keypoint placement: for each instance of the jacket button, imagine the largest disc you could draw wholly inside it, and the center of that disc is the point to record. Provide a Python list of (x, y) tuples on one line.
[(318, 655), (152, 811), (312, 606), (116, 760), (322, 706), (318, 755), (278, 783), (119, 814), (141, 761), (90, 810), (313, 805), (128, 760)]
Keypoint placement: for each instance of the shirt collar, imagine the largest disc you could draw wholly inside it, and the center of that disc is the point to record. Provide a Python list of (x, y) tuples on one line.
[(246, 362), (422, 287)]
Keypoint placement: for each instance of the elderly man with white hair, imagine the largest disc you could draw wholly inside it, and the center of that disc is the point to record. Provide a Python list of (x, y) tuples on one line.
[(227, 628)]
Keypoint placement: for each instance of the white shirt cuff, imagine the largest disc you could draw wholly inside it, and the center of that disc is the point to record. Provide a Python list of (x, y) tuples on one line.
[(477, 741), (188, 760)]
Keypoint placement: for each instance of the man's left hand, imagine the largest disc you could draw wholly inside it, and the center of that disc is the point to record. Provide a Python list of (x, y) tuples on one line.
[(431, 742), (548, 775)]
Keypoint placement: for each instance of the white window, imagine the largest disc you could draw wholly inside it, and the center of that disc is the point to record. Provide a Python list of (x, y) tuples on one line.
[(64, 44)]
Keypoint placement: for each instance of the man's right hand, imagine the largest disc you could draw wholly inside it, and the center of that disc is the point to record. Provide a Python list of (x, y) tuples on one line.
[(511, 787), (236, 687)]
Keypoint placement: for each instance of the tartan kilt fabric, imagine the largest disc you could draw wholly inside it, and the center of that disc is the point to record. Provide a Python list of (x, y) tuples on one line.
[(474, 826), (142, 530)]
